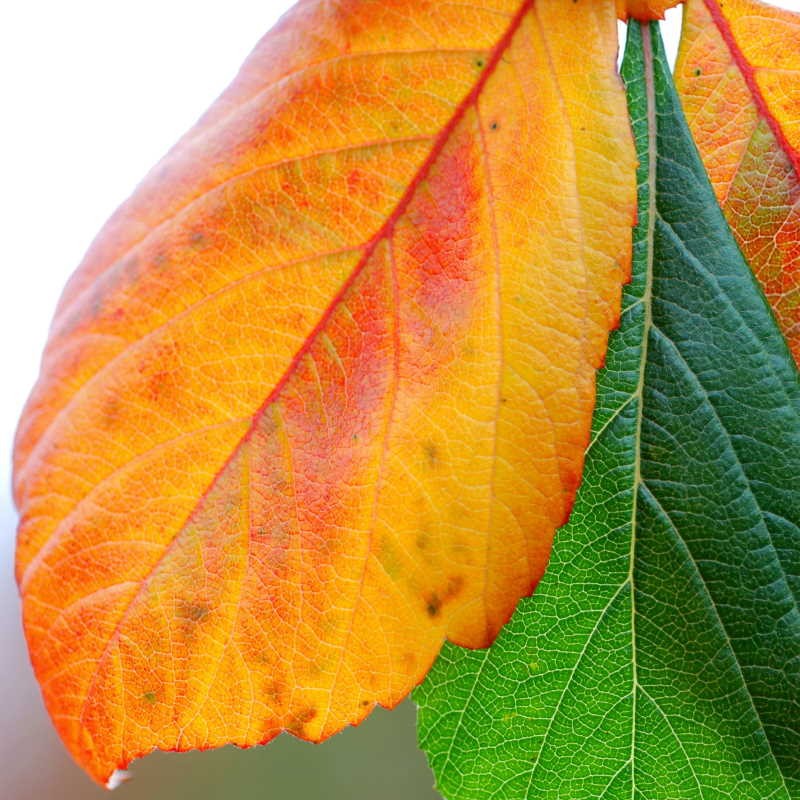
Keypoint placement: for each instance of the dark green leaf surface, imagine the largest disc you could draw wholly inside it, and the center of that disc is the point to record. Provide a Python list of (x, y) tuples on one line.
[(660, 656)]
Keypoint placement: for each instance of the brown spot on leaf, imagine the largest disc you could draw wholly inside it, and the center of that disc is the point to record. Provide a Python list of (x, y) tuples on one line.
[(274, 691), (196, 612), (431, 453), (301, 719), (433, 605), (436, 600), (454, 586)]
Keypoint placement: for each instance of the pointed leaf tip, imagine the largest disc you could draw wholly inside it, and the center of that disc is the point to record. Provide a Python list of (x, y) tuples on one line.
[(118, 777)]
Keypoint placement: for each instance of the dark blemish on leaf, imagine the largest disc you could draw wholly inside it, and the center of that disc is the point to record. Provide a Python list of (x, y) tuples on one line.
[(301, 719), (433, 606), (150, 698), (480, 63), (307, 714), (197, 238), (495, 125), (431, 453), (454, 586), (423, 540), (364, 703), (196, 613), (434, 602), (275, 691), (698, 71)]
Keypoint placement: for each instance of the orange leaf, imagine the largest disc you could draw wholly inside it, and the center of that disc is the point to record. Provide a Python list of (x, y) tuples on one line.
[(644, 10), (738, 74), (319, 394)]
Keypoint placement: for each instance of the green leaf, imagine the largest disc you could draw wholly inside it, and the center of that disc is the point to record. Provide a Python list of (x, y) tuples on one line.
[(660, 656)]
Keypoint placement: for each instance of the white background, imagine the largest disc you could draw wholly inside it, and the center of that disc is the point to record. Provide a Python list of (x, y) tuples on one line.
[(93, 93)]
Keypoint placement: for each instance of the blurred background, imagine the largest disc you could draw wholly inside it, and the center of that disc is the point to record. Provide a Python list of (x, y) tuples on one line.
[(95, 91)]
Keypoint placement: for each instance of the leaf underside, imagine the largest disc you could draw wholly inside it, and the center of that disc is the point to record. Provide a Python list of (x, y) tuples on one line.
[(660, 656)]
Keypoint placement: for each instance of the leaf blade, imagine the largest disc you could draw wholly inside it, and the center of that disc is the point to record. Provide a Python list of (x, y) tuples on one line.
[(264, 449)]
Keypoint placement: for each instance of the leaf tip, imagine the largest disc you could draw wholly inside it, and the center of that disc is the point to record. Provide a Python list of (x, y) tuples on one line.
[(118, 777)]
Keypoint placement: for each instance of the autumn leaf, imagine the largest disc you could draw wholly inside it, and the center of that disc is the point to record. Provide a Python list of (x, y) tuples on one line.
[(738, 75), (659, 657), (319, 394), (644, 9)]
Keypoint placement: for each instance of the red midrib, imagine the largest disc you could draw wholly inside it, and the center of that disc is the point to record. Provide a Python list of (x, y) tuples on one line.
[(387, 228)]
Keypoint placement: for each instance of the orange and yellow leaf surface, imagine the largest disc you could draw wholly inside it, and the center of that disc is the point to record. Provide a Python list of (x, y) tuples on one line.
[(319, 394), (738, 74), (644, 10)]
